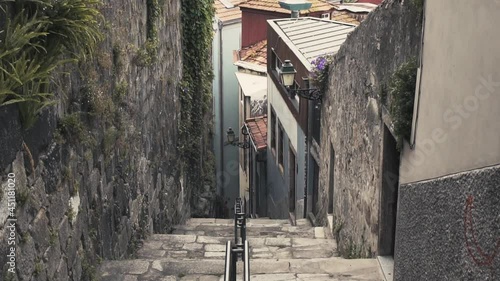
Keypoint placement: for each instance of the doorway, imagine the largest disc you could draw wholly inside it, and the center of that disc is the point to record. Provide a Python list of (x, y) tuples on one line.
[(315, 186), (291, 172), (331, 180), (389, 195)]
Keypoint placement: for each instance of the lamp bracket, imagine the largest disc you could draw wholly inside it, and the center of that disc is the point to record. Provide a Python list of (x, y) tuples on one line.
[(310, 93)]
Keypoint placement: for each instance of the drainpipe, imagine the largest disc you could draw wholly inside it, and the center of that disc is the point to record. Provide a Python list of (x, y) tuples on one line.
[(221, 111), (310, 107)]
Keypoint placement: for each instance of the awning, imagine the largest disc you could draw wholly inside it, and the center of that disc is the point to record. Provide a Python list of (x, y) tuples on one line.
[(254, 86)]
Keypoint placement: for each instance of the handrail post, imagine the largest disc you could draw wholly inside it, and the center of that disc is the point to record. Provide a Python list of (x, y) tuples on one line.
[(240, 248), (228, 274), (234, 259), (246, 263), (243, 229)]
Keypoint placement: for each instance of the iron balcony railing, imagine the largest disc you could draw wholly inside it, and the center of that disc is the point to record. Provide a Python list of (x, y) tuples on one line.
[(239, 248)]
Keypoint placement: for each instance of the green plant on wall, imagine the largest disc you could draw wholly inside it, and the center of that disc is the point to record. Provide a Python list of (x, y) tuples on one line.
[(38, 37), (401, 98), (196, 90), (419, 5), (148, 53), (320, 71)]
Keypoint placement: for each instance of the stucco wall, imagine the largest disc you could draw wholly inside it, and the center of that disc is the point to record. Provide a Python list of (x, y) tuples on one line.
[(278, 183), (351, 120), (458, 128), (227, 174), (449, 228)]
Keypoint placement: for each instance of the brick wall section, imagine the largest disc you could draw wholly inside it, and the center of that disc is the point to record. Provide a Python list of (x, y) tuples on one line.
[(352, 123)]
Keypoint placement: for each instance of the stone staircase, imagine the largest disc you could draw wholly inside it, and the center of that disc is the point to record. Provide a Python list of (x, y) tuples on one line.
[(278, 250)]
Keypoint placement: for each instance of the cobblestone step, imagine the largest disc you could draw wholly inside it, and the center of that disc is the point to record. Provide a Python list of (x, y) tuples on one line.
[(278, 252), (196, 246), (255, 228), (262, 269)]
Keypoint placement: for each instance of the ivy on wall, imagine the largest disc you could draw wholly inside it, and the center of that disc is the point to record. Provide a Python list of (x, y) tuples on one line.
[(148, 53), (196, 93)]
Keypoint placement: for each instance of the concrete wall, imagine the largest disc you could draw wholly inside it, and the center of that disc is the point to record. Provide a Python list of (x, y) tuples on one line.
[(449, 193), (218, 137), (244, 104), (278, 183), (458, 128), (449, 228), (226, 156), (80, 201), (351, 121)]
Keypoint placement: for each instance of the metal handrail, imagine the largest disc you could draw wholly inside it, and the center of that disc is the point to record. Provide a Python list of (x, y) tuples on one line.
[(240, 249), (246, 263), (228, 272)]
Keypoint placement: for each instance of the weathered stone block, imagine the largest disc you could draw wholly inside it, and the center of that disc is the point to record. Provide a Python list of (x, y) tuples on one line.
[(280, 242), (52, 257), (62, 271), (215, 248), (211, 240), (63, 233), (40, 231)]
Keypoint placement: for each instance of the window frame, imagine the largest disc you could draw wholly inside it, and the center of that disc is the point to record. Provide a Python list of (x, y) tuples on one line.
[(273, 132), (281, 148)]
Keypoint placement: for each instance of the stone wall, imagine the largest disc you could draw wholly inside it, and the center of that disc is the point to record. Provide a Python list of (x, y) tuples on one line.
[(352, 121), (449, 228), (100, 170)]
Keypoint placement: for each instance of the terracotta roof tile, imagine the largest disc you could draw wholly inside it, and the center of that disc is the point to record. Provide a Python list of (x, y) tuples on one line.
[(274, 6), (344, 16), (258, 131), (256, 53), (226, 14)]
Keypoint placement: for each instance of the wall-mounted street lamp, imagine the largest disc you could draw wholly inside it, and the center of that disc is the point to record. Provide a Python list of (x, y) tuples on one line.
[(287, 76), (232, 139)]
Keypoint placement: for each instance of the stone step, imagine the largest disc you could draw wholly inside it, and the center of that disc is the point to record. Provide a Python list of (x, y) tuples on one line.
[(228, 231), (209, 247), (255, 228), (264, 222), (261, 269)]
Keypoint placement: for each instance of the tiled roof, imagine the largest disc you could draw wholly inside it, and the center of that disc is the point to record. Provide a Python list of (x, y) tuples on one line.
[(356, 7), (311, 37), (257, 127), (226, 10), (273, 6), (344, 16), (376, 2), (256, 53)]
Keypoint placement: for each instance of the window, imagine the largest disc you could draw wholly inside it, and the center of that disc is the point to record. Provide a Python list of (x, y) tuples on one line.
[(281, 149), (295, 99), (242, 120), (316, 121), (276, 62), (245, 159), (273, 131), (325, 16)]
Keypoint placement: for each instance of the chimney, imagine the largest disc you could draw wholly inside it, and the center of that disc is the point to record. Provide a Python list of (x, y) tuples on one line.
[(295, 6)]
